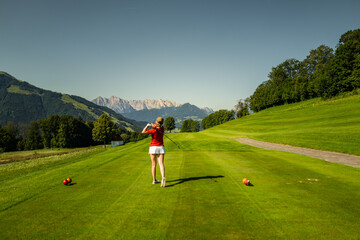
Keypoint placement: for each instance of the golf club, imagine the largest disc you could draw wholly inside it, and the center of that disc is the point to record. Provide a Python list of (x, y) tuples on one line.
[(172, 141)]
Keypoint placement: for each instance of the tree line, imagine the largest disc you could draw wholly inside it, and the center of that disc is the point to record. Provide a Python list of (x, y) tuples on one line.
[(211, 120), (62, 132), (69, 132), (216, 118), (188, 125), (323, 73)]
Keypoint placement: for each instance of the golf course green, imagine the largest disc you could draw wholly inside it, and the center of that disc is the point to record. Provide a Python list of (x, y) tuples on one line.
[(112, 196)]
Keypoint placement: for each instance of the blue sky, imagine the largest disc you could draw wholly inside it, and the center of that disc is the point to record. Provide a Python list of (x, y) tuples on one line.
[(208, 53)]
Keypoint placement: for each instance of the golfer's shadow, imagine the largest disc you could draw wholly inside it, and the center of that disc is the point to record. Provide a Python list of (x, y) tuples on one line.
[(182, 180)]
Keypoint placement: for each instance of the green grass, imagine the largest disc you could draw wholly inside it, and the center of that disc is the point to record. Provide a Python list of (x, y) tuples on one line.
[(332, 125), (293, 197)]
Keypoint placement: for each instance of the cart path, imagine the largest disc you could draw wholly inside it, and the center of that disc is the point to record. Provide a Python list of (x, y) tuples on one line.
[(342, 158)]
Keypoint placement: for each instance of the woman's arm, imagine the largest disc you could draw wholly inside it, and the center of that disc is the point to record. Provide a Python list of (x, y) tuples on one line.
[(146, 127)]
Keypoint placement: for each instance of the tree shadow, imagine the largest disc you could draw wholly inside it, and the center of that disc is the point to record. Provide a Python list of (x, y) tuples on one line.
[(182, 180)]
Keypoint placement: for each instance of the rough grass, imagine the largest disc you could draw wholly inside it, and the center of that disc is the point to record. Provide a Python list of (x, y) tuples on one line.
[(10, 157)]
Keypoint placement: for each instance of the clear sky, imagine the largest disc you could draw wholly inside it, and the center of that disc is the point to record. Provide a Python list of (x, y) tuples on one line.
[(205, 52)]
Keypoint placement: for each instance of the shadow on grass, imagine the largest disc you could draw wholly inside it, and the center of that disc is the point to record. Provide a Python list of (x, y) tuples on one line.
[(182, 180), (71, 184)]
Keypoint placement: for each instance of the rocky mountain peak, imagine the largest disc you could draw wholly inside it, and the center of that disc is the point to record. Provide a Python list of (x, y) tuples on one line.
[(125, 106)]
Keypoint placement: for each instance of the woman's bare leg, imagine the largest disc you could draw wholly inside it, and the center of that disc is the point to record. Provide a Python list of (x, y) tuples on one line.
[(153, 167), (162, 168)]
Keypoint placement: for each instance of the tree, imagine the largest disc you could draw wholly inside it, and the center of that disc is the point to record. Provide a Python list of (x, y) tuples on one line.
[(69, 133), (243, 106), (338, 73), (284, 86), (169, 124), (23, 135), (292, 81), (50, 128), (186, 125), (11, 137), (195, 126), (242, 113), (3, 139), (317, 59), (217, 118), (65, 131), (355, 75), (314, 65), (190, 125), (137, 136), (34, 140), (103, 129), (125, 137)]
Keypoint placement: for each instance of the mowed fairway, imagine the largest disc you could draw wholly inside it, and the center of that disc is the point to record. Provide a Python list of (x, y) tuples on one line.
[(292, 197)]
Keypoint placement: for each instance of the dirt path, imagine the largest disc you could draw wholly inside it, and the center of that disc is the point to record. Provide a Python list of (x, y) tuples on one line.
[(342, 158)]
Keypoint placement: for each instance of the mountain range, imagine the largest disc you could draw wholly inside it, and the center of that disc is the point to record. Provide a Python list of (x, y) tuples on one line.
[(127, 106), (21, 102), (148, 110)]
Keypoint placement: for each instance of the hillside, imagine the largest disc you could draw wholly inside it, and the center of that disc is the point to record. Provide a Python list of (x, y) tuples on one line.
[(23, 102), (332, 125)]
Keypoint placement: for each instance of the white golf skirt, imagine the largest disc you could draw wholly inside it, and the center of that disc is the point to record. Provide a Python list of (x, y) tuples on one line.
[(157, 150)]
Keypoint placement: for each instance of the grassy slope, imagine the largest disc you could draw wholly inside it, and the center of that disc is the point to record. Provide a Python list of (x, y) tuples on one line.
[(293, 197), (332, 125)]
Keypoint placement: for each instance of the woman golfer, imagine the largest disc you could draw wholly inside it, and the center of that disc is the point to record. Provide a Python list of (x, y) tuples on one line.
[(157, 149)]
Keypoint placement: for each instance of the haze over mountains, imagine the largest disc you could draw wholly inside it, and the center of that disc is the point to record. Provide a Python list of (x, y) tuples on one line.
[(148, 110)]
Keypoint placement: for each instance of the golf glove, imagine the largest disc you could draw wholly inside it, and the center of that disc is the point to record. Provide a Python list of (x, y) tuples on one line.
[(149, 125)]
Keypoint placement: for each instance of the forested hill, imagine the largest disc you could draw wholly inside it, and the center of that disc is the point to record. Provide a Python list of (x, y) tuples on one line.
[(21, 102)]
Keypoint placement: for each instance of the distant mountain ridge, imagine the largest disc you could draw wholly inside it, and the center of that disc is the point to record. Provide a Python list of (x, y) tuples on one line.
[(126, 106), (21, 102), (148, 110)]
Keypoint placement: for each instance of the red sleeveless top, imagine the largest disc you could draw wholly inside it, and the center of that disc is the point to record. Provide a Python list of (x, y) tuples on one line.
[(157, 136)]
